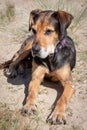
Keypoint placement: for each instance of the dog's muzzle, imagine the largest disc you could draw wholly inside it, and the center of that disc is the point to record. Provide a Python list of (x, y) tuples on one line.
[(41, 51)]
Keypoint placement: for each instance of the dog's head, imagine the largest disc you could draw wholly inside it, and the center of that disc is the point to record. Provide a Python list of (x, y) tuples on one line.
[(48, 28)]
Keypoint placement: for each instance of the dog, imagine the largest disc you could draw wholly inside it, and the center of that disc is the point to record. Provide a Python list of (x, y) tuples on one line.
[(51, 53)]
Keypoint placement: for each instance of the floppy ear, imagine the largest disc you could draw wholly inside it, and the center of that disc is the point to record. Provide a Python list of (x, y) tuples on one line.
[(64, 20), (33, 14)]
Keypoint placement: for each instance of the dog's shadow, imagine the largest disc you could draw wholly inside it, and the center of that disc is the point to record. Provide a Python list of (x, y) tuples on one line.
[(26, 78), (58, 87), (22, 79)]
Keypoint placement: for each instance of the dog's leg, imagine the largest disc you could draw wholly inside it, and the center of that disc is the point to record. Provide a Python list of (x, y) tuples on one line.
[(37, 78), (58, 115), (19, 56)]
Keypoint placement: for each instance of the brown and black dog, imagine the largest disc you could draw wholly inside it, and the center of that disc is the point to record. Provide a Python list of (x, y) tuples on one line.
[(52, 54)]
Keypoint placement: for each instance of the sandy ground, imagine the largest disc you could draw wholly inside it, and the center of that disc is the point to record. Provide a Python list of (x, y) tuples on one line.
[(13, 91)]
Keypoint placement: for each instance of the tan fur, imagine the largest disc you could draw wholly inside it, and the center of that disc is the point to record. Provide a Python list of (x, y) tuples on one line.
[(44, 41)]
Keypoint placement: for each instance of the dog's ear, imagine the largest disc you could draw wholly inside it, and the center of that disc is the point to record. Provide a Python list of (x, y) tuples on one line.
[(64, 20), (33, 14)]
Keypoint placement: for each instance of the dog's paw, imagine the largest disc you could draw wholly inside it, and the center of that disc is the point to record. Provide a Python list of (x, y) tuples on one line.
[(57, 118), (29, 109)]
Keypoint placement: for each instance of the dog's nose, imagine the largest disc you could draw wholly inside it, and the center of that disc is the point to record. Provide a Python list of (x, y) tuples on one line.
[(36, 48)]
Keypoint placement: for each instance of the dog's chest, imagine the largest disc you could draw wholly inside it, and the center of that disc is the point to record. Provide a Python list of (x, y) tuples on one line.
[(53, 76), (52, 62)]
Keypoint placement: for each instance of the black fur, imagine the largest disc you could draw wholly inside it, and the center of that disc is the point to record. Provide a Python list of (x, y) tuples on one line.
[(65, 55)]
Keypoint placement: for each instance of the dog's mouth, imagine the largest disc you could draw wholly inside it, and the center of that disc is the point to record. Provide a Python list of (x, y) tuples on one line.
[(42, 52)]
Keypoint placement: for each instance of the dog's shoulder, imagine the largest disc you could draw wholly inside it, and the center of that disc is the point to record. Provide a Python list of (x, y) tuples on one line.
[(65, 55)]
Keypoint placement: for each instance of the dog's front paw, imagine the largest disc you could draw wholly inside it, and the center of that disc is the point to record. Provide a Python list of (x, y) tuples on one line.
[(11, 71), (57, 118), (28, 109)]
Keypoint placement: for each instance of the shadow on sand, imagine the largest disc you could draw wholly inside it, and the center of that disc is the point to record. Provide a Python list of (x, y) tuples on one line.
[(26, 78)]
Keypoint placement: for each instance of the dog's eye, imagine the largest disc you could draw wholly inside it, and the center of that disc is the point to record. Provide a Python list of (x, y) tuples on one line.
[(34, 31), (48, 32)]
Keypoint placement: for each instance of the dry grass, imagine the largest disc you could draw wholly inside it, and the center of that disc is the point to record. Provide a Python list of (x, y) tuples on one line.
[(11, 120), (7, 119), (83, 55), (8, 13)]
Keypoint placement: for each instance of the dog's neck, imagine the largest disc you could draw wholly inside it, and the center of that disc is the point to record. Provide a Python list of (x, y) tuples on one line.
[(60, 45)]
